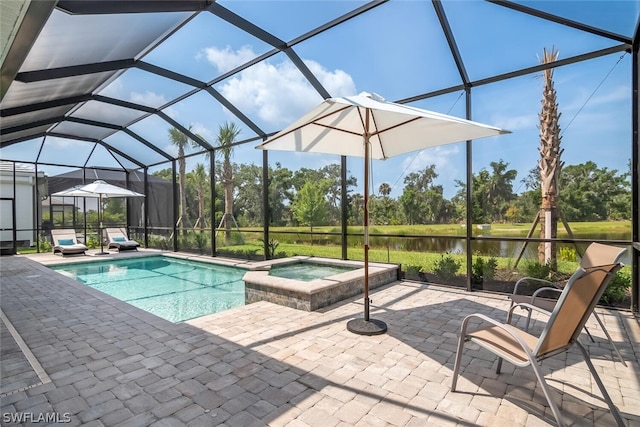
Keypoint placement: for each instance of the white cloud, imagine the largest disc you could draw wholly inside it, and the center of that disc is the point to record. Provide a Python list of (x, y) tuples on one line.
[(148, 98), (226, 59), (152, 99), (599, 98), (63, 143), (514, 123), (337, 82), (170, 149), (206, 133), (440, 156), (113, 90), (276, 92)]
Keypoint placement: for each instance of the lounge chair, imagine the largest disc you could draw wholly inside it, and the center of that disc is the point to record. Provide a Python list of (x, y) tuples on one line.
[(570, 313), (66, 243), (119, 240), (596, 254)]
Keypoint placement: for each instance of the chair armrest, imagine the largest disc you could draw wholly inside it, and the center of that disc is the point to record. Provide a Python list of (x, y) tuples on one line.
[(530, 279), (498, 324), (544, 289), (525, 306)]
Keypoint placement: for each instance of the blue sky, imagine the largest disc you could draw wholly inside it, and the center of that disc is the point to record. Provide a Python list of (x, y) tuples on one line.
[(396, 50)]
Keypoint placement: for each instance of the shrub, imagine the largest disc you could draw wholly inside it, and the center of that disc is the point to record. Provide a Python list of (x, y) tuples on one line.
[(92, 242), (201, 240), (482, 270), (272, 245), (446, 267), (567, 254), (618, 286), (250, 253), (490, 268), (159, 243), (186, 242), (413, 269), (537, 270), (44, 244)]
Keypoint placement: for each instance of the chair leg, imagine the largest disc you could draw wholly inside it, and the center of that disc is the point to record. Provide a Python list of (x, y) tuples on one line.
[(456, 365), (499, 366), (609, 338), (526, 325), (589, 334), (547, 392), (603, 390)]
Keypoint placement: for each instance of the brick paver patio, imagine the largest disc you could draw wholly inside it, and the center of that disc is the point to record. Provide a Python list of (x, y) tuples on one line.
[(109, 363)]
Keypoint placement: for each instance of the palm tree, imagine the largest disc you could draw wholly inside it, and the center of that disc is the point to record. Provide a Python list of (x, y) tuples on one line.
[(384, 189), (200, 181), (227, 134), (500, 189), (180, 140), (549, 165)]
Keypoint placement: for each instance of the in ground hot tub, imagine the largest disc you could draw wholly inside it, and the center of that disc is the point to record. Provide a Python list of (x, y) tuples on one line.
[(310, 283)]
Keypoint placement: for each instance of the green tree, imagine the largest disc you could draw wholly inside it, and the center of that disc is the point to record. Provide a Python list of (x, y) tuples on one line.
[(331, 174), (384, 210), (310, 206), (248, 203), (356, 209), (281, 195), (412, 205), (164, 174), (491, 193), (384, 189), (199, 180), (422, 200), (500, 188), (590, 193), (113, 210)]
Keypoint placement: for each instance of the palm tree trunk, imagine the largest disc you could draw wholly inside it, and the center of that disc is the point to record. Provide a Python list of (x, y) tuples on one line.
[(228, 199), (182, 172), (201, 208), (549, 164)]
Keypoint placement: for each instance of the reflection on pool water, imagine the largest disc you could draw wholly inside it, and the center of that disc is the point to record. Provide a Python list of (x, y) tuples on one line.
[(308, 271), (174, 289)]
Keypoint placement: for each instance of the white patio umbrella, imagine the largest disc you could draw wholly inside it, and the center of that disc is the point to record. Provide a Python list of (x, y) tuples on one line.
[(98, 189), (367, 126)]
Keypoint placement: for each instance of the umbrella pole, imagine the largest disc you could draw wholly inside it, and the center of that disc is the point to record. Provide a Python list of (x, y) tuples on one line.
[(366, 326), (366, 230), (100, 213)]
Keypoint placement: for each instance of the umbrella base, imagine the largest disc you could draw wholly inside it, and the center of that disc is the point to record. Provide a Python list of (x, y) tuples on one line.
[(366, 327), (102, 253)]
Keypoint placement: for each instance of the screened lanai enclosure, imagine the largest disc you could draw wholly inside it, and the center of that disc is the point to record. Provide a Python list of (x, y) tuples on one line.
[(171, 98)]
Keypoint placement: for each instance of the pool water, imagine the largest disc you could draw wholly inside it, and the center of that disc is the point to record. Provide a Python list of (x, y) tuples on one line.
[(307, 272), (176, 290)]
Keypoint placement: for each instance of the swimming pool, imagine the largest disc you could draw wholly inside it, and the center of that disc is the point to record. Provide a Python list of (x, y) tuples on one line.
[(174, 289)]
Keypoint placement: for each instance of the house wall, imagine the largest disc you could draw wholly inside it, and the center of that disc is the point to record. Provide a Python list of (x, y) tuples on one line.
[(26, 213)]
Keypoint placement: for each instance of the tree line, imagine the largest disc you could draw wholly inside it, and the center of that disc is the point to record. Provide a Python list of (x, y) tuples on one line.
[(312, 197)]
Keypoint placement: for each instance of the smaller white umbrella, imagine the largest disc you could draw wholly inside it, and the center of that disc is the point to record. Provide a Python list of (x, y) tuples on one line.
[(98, 189), (73, 192)]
